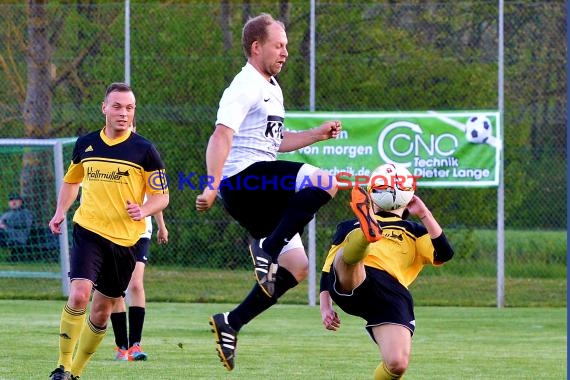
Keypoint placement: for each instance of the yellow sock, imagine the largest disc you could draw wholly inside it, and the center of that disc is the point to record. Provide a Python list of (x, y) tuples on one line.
[(91, 338), (381, 373), (355, 248), (69, 330)]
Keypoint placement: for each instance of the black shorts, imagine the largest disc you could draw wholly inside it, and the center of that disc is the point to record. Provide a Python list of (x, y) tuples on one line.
[(108, 265), (143, 250), (379, 300), (258, 196)]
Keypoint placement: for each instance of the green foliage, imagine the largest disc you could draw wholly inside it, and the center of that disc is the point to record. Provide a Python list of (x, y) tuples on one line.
[(371, 56)]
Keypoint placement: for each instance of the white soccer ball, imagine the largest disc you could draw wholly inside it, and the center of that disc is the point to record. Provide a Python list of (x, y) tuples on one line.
[(478, 129), (391, 186)]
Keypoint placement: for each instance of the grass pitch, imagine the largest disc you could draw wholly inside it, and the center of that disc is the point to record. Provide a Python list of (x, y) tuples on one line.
[(289, 342)]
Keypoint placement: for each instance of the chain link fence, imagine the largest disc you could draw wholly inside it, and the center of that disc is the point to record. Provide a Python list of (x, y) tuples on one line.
[(370, 56)]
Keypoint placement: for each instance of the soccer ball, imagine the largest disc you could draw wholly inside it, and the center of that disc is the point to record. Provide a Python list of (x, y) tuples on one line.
[(391, 186), (478, 129)]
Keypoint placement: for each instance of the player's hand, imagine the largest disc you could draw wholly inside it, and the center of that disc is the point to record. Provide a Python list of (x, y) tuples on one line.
[(330, 318), (330, 129), (162, 236), (206, 200), (55, 223), (135, 211), (417, 207)]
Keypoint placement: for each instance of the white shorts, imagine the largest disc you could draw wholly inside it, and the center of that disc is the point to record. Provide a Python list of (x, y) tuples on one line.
[(295, 242)]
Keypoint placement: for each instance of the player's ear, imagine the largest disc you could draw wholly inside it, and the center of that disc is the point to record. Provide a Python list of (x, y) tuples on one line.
[(255, 47)]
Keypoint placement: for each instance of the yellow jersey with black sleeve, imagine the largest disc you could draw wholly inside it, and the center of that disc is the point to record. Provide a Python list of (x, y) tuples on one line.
[(403, 251), (112, 172)]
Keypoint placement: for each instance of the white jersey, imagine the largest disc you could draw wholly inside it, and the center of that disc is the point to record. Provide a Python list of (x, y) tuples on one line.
[(147, 234), (253, 107)]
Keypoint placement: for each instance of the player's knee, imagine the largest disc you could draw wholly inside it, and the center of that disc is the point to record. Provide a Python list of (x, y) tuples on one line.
[(79, 296), (300, 273), (99, 316), (327, 182), (136, 288), (397, 365)]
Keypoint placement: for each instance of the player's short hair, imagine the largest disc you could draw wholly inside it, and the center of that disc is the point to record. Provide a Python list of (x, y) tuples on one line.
[(255, 29), (117, 87)]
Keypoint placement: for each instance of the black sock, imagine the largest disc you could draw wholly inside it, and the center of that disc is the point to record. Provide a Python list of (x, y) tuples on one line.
[(136, 322), (119, 322), (257, 301), (300, 211)]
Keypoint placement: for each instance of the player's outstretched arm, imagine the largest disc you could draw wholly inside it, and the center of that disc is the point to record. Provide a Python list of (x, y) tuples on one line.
[(297, 140)]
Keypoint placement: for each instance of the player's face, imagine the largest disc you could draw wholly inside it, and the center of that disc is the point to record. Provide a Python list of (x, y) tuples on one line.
[(274, 50), (15, 203), (119, 110)]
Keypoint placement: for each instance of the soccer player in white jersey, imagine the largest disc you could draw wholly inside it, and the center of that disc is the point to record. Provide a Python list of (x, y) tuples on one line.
[(274, 200)]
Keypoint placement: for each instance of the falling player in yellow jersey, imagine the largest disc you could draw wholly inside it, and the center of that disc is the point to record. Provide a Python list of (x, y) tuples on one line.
[(116, 169), (370, 265)]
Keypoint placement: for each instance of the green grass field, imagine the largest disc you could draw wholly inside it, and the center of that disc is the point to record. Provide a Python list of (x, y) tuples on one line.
[(289, 342)]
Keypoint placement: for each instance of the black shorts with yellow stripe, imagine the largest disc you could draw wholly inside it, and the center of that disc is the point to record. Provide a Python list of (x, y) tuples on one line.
[(379, 300), (107, 265)]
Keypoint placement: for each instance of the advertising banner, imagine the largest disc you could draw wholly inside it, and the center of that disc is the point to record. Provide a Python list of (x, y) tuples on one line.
[(441, 149)]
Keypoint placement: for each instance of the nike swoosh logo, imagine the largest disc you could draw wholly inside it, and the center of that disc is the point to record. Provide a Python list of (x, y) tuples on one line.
[(266, 100)]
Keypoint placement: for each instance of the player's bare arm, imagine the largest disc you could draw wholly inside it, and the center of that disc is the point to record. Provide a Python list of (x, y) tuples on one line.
[(330, 318), (418, 208), (162, 233), (217, 152), (153, 204), (67, 195), (297, 140)]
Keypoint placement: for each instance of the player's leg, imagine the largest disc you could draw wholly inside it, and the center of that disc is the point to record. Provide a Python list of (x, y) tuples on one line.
[(119, 323), (348, 263), (348, 276), (293, 267), (395, 345), (295, 204), (313, 189), (117, 265), (137, 309), (94, 330), (361, 206), (85, 261), (71, 323)]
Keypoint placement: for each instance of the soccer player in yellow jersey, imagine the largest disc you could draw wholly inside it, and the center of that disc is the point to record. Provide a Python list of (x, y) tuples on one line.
[(115, 169), (128, 337), (370, 265)]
